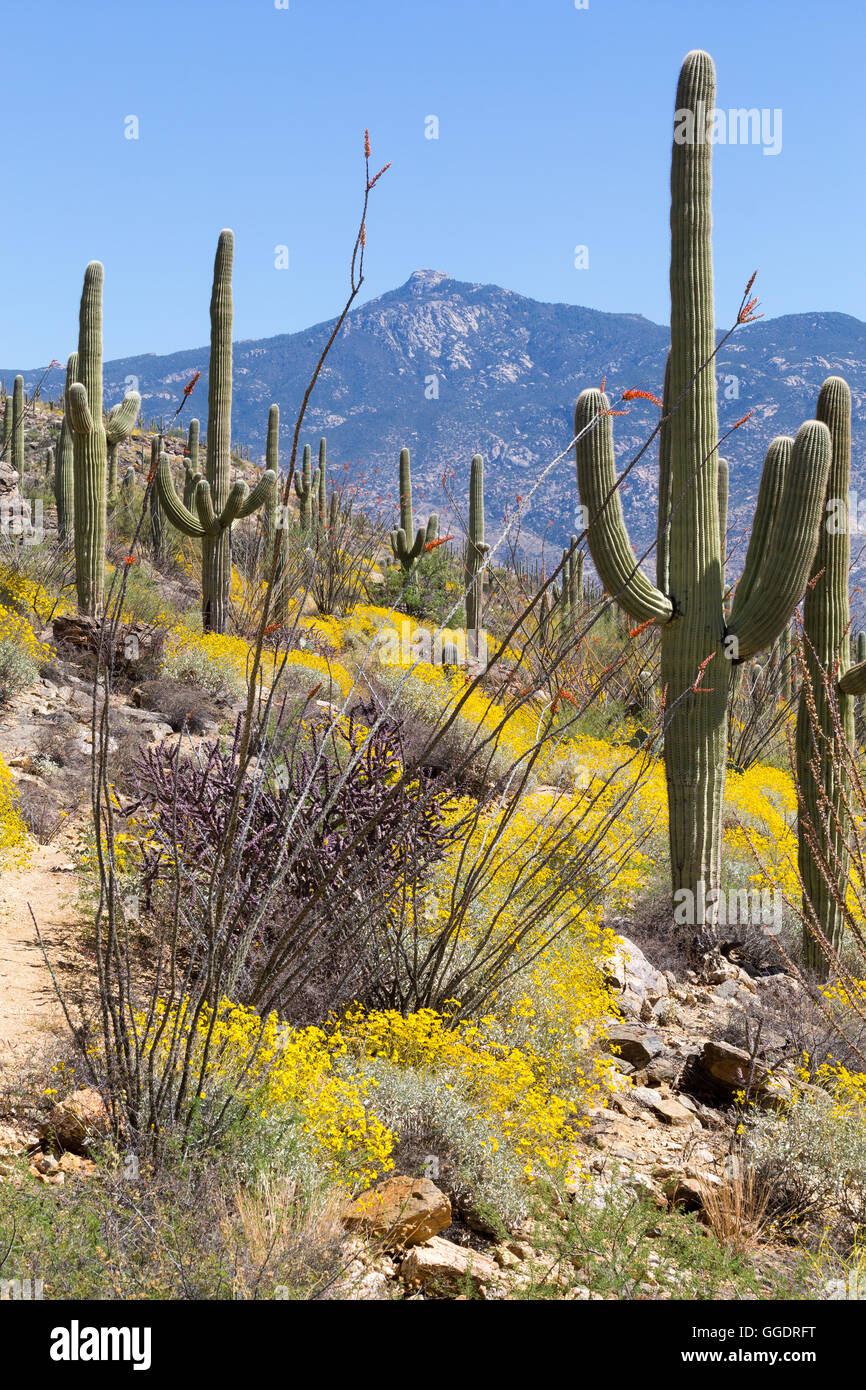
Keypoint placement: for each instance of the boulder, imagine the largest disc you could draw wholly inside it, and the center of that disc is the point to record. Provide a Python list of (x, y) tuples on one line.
[(79, 1119), (634, 1045), (630, 975), (406, 1211), (444, 1267), (665, 1108)]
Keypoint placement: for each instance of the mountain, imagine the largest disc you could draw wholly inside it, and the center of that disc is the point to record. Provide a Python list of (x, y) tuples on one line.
[(450, 369)]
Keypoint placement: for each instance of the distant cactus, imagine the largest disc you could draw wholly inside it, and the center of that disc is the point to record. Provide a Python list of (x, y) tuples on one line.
[(476, 549), (407, 544), (304, 487), (218, 502), (157, 533), (7, 426), (49, 468), (91, 439), (64, 493)]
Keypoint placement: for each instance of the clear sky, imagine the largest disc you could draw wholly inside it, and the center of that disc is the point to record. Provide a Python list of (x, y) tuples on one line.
[(554, 128)]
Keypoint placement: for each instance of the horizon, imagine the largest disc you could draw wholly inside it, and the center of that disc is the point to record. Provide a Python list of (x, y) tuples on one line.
[(426, 270), (517, 135)]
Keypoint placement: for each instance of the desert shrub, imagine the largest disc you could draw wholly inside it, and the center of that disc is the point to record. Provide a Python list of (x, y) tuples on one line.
[(14, 840), (811, 1157), (18, 670), (214, 663), (41, 813), (182, 706)]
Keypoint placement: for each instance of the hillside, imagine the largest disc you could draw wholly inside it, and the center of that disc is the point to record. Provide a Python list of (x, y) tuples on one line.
[(508, 371)]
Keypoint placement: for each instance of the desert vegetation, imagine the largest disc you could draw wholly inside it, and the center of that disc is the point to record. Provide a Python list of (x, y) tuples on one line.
[(445, 922)]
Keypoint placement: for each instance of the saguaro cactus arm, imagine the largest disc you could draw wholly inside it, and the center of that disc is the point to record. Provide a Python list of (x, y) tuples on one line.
[(122, 418), (607, 536), (181, 518), (781, 568)]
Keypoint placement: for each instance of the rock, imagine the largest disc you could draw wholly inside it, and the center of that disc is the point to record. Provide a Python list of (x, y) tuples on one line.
[(77, 1120), (406, 1211), (688, 1193), (719, 1071), (443, 1267), (46, 1164), (636, 981), (663, 1070), (665, 1108), (634, 1045)]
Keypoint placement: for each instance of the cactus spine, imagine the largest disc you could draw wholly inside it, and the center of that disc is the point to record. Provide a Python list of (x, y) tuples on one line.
[(476, 549), (91, 439), (218, 502), (64, 495), (18, 426), (407, 544), (687, 601)]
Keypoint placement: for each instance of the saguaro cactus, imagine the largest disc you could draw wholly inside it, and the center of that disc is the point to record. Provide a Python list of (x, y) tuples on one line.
[(91, 439), (476, 549), (157, 531), (321, 477), (408, 544), (64, 496), (826, 619), (18, 426), (698, 646), (218, 502), (305, 485)]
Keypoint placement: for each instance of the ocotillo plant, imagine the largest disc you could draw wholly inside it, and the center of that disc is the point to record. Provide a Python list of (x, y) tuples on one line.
[(476, 549), (191, 474), (218, 502), (305, 484), (18, 426), (64, 495), (91, 438), (823, 804), (408, 544), (698, 645)]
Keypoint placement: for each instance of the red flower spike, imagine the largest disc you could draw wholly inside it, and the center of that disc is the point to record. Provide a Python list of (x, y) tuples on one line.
[(636, 631), (635, 395)]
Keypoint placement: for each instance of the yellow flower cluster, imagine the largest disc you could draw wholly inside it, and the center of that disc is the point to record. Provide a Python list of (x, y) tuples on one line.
[(15, 628), (15, 842)]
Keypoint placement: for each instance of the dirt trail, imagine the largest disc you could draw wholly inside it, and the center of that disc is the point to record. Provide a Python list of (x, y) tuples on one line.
[(29, 1009)]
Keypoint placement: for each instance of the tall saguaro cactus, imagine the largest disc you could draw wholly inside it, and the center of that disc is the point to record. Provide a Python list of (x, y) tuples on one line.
[(826, 619), (698, 645), (476, 549), (18, 426), (91, 439), (408, 544), (218, 502), (64, 496)]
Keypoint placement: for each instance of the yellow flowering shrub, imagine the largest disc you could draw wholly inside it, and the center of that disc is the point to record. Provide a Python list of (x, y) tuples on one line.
[(15, 842)]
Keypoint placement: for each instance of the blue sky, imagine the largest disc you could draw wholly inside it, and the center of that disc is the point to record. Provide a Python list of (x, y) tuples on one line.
[(554, 132)]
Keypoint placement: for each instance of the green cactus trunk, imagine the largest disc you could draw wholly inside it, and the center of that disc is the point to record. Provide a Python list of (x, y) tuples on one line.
[(157, 531), (476, 551), (277, 522), (826, 619), (64, 495), (18, 426), (698, 645), (218, 502), (304, 485), (91, 439), (321, 472), (191, 474), (408, 548)]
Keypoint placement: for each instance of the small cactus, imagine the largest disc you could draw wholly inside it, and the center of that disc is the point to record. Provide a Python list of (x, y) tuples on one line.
[(191, 474), (407, 544), (18, 426), (305, 484), (64, 487)]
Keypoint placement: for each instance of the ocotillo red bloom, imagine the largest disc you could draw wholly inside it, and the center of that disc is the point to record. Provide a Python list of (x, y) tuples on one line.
[(633, 395)]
